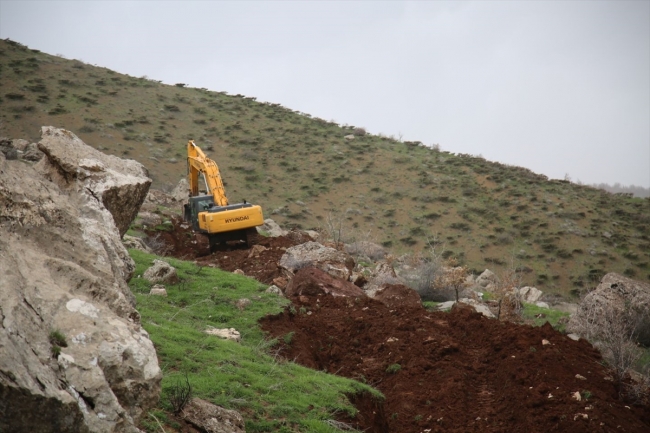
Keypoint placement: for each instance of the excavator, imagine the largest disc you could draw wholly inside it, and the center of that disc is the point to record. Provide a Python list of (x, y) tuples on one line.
[(212, 215)]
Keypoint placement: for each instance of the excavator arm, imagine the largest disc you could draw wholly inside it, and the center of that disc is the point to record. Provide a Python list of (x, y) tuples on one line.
[(197, 163)]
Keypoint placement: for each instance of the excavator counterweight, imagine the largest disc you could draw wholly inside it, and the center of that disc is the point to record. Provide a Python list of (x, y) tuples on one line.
[(212, 215)]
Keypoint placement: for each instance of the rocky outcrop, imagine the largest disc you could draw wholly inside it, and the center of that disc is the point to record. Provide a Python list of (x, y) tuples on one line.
[(119, 184), (73, 355), (135, 243), (477, 306), (209, 418), (615, 295), (20, 149), (529, 295), (181, 191), (336, 263), (313, 282), (382, 275), (487, 280), (271, 228)]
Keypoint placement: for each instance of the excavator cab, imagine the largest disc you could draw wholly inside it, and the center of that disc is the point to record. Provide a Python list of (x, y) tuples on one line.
[(194, 206)]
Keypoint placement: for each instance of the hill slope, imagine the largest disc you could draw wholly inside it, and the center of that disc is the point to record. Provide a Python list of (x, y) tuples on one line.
[(303, 172)]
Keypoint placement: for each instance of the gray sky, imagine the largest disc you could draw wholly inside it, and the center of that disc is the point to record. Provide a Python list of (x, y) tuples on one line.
[(555, 86)]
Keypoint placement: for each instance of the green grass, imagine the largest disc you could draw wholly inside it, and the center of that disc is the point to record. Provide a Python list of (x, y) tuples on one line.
[(643, 363), (271, 393), (552, 316), (430, 305)]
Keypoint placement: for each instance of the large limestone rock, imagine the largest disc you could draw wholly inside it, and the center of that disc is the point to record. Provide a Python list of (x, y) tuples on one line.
[(467, 302), (529, 295), (135, 243), (336, 263), (271, 228), (313, 282), (210, 418), (119, 184), (487, 280), (614, 294), (181, 192), (63, 268)]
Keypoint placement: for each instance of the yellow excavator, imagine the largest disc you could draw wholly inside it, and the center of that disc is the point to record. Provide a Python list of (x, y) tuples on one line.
[(212, 215)]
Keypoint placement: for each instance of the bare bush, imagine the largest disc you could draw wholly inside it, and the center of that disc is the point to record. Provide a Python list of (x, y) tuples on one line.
[(507, 295), (638, 391), (180, 394), (334, 229), (613, 331), (367, 249)]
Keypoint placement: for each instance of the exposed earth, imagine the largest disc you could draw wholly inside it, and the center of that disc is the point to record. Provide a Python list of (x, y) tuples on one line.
[(262, 263), (440, 372)]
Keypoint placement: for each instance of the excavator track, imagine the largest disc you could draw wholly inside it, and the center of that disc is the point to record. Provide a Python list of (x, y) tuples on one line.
[(252, 237)]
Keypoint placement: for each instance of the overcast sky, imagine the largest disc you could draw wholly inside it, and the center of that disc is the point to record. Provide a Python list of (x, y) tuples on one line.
[(559, 87)]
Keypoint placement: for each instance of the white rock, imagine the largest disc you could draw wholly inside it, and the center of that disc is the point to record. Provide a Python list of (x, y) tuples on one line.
[(161, 272), (226, 333), (274, 289), (529, 295), (158, 290)]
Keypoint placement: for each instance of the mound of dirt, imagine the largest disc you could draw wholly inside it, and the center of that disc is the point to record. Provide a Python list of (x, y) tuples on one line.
[(458, 371), (313, 281), (398, 296), (260, 262)]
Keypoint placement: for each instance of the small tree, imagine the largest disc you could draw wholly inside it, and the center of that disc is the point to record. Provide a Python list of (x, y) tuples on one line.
[(334, 229), (455, 277)]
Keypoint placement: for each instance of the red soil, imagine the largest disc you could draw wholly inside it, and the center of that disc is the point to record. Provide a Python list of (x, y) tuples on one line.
[(440, 372), (182, 242), (456, 372)]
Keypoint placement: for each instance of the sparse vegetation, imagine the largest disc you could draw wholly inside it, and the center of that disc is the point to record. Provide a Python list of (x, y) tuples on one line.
[(490, 209), (57, 341)]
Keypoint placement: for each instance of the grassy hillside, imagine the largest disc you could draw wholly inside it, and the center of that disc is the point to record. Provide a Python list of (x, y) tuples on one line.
[(303, 172), (271, 393)]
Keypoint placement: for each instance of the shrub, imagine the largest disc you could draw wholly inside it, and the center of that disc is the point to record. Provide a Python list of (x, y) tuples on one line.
[(393, 368), (359, 132), (57, 341), (15, 96), (613, 331), (180, 393)]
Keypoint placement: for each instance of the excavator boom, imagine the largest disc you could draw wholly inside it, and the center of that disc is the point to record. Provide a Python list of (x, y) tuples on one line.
[(197, 163)]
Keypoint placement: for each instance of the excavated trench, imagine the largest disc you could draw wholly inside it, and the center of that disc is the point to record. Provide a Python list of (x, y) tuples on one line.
[(439, 372)]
